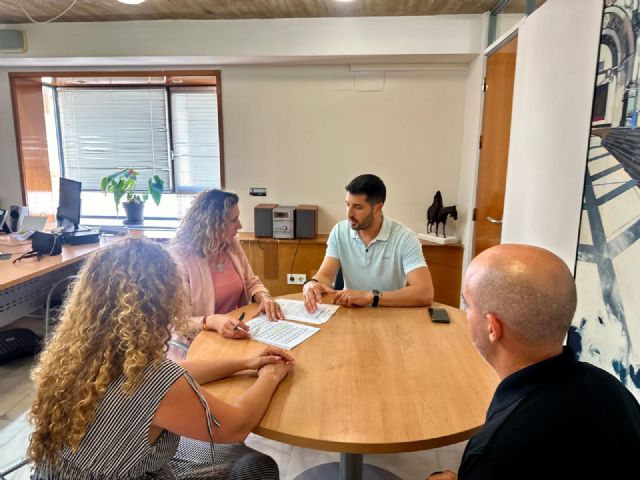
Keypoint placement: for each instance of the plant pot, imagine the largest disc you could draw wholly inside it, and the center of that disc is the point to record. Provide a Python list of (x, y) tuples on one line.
[(135, 213)]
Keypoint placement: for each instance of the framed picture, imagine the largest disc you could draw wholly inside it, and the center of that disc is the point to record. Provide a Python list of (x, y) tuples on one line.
[(606, 327)]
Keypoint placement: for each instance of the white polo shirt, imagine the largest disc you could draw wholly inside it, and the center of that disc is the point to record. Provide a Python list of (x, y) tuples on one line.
[(384, 264)]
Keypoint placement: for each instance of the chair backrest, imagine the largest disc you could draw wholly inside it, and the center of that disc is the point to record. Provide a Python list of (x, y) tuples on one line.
[(338, 284), (47, 310)]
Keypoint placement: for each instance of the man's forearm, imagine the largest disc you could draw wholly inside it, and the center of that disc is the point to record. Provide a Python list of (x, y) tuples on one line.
[(409, 296), (324, 279)]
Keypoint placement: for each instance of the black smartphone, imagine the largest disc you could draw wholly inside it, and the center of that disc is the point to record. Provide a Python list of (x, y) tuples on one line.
[(439, 315)]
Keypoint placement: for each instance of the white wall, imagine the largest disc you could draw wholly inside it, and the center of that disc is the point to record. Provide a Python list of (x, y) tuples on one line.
[(304, 132), (288, 129), (314, 37), (506, 21), (10, 191), (470, 153), (555, 74)]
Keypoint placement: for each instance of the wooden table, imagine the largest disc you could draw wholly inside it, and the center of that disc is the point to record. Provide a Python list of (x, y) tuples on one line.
[(373, 380)]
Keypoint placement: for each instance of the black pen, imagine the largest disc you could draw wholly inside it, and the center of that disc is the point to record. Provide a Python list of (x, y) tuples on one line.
[(239, 319)]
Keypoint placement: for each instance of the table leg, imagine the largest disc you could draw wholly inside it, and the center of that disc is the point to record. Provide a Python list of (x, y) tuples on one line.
[(351, 467)]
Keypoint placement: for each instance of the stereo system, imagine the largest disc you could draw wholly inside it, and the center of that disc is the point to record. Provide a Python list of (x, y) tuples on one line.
[(306, 221), (273, 221), (263, 219), (284, 222)]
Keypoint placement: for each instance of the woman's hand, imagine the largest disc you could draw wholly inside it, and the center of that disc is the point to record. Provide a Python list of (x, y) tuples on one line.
[(270, 307), (228, 326), (276, 371), (270, 355)]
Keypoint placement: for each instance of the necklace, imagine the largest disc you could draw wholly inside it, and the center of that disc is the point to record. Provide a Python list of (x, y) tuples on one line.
[(220, 264)]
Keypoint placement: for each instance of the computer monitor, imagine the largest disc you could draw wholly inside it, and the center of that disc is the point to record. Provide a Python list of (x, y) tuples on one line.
[(69, 205)]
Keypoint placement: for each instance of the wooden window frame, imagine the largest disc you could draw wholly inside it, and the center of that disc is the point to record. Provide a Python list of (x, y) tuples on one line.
[(173, 78)]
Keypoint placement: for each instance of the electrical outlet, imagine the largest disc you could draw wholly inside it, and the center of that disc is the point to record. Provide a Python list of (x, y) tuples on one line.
[(296, 278)]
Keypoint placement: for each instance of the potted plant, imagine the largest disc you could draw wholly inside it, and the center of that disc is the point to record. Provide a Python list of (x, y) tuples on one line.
[(123, 183)]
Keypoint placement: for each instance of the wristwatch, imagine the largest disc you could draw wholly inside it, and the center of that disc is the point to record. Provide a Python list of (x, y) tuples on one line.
[(376, 297)]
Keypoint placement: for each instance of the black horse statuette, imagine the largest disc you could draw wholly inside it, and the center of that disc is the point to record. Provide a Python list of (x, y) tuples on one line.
[(441, 217), (437, 214), (433, 209)]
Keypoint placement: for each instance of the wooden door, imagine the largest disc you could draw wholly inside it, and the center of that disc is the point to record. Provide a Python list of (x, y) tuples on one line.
[(494, 148)]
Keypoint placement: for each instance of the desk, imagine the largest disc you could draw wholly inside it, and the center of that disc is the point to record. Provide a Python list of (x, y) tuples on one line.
[(373, 380), (24, 285)]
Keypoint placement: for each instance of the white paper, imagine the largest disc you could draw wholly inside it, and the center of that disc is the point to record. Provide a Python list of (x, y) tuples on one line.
[(282, 334), (294, 310)]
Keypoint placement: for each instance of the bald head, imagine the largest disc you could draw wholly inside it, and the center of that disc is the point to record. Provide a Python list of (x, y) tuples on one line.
[(529, 289)]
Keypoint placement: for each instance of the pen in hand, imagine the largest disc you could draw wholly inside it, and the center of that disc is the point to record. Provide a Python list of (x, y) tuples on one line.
[(240, 320)]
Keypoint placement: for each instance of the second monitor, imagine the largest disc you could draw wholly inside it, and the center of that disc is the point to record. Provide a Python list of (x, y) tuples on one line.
[(69, 204)]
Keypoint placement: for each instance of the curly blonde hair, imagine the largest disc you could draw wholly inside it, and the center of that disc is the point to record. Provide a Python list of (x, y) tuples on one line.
[(116, 321), (202, 229)]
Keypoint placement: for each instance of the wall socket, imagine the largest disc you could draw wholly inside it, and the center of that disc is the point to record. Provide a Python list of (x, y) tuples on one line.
[(296, 278)]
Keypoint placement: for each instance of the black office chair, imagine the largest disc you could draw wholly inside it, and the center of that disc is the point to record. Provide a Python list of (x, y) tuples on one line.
[(51, 313), (338, 284)]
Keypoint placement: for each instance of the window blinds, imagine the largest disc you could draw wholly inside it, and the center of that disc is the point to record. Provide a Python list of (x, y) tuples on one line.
[(195, 138), (104, 130)]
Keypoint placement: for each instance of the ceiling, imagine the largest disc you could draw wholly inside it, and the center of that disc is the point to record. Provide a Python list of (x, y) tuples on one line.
[(112, 10)]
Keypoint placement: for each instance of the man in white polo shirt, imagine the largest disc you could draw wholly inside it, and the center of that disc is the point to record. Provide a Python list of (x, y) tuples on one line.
[(381, 259)]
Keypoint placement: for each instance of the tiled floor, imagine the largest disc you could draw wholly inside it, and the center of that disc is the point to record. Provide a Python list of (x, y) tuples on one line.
[(16, 393)]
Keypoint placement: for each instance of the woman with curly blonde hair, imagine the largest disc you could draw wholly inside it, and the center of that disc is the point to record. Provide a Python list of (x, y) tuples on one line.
[(215, 269), (109, 404)]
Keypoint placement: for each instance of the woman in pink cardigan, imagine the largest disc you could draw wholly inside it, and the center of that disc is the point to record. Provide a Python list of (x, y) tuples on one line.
[(215, 270)]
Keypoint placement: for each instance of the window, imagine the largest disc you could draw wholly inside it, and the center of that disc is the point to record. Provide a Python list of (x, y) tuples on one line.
[(196, 149), (159, 123), (103, 130)]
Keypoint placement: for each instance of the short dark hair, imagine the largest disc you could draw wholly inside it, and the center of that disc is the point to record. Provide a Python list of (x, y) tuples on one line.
[(370, 185)]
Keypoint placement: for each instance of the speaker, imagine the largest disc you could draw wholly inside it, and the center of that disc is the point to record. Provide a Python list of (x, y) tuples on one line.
[(306, 221), (13, 41), (263, 219), (16, 214)]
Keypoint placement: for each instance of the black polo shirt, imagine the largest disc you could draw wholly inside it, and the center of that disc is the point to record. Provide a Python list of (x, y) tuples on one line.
[(559, 418)]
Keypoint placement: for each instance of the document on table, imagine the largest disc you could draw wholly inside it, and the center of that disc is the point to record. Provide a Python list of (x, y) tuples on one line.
[(294, 310), (282, 334)]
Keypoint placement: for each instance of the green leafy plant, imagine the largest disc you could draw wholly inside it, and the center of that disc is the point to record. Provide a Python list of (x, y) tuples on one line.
[(124, 182)]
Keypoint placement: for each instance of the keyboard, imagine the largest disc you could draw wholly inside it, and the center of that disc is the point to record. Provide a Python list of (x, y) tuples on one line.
[(21, 236), (114, 230)]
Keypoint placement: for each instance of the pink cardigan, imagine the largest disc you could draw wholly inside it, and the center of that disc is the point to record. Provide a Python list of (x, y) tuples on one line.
[(196, 276)]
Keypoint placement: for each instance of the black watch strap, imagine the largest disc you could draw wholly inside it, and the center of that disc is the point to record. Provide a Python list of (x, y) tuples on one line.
[(376, 298), (310, 280)]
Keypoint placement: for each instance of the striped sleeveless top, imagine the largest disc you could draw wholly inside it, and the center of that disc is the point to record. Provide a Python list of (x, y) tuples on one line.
[(116, 444)]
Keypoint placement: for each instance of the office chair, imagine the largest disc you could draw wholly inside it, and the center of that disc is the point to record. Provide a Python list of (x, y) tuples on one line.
[(48, 310), (12, 467), (338, 284)]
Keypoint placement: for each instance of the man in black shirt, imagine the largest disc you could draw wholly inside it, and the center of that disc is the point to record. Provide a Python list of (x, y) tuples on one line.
[(551, 416)]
